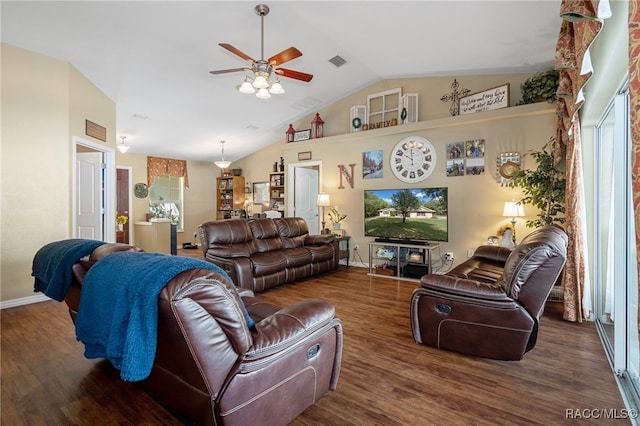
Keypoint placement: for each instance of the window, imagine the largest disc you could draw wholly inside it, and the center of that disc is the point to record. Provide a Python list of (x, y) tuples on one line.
[(616, 286), (166, 199)]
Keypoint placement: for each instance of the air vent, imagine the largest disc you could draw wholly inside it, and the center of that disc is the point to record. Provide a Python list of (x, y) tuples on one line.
[(338, 61), (252, 127)]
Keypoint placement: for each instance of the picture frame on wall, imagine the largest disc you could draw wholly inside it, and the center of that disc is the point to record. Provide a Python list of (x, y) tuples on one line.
[(302, 135), (304, 156)]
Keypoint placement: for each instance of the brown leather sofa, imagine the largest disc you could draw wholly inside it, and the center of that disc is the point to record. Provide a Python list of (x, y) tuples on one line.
[(489, 306), (259, 254), (213, 369)]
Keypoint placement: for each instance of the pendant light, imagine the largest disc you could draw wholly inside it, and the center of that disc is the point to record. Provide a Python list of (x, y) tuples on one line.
[(223, 164), (121, 146)]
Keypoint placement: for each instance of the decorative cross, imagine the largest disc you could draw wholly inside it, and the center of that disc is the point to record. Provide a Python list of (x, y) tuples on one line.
[(454, 97)]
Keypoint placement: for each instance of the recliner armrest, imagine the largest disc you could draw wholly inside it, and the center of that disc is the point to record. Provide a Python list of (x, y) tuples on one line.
[(289, 325), (464, 288), (318, 239), (492, 253)]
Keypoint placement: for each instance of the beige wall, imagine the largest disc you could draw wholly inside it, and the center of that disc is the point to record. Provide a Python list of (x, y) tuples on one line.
[(44, 101), (475, 202)]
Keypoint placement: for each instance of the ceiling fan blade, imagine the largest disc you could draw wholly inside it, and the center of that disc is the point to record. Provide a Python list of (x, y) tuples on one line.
[(294, 74), (284, 56), (236, 51), (229, 70)]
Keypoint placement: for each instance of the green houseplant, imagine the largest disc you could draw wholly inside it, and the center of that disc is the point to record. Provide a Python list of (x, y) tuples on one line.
[(540, 87), (336, 217), (543, 187)]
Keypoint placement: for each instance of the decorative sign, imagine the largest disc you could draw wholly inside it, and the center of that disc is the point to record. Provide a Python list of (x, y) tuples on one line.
[(305, 155), (302, 135), (490, 99), (95, 131)]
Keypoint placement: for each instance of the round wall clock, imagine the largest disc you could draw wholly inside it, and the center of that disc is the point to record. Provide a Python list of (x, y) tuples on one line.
[(413, 159), (140, 190)]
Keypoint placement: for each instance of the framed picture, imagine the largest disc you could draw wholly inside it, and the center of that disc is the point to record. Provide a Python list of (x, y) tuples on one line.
[(302, 135), (260, 192), (372, 164), (223, 184), (306, 155)]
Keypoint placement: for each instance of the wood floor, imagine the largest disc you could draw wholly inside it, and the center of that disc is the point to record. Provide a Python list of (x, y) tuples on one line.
[(386, 379)]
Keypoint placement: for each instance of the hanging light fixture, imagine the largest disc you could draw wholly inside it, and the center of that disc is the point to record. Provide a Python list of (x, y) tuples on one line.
[(122, 147), (223, 164)]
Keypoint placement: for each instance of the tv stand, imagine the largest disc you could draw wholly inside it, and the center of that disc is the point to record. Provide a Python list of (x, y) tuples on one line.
[(406, 241), (400, 260)]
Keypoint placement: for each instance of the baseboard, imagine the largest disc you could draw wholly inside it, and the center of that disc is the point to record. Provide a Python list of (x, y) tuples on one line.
[(23, 301)]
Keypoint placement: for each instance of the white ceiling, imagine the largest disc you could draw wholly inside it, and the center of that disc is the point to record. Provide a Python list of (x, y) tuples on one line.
[(153, 58)]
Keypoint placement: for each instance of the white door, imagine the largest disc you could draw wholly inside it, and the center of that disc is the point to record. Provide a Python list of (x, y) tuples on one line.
[(305, 189), (89, 208)]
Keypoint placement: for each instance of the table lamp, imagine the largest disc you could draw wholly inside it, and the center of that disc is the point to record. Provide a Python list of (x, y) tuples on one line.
[(513, 210), (323, 201)]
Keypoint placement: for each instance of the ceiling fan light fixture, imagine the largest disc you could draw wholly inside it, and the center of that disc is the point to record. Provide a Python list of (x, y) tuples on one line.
[(246, 87), (263, 94), (260, 82), (276, 88)]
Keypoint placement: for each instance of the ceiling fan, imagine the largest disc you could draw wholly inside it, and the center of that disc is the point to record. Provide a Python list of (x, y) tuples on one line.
[(264, 79)]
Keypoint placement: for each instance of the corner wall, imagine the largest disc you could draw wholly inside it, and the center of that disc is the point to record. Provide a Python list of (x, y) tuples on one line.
[(44, 104)]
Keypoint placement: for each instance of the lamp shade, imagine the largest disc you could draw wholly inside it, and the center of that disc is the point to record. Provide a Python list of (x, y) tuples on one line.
[(223, 164), (323, 200), (513, 209)]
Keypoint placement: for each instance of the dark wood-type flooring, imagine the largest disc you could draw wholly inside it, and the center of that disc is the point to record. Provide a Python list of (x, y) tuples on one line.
[(386, 379)]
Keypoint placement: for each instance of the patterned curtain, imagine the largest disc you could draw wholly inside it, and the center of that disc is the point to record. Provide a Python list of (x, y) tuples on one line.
[(582, 20), (634, 97), (158, 166)]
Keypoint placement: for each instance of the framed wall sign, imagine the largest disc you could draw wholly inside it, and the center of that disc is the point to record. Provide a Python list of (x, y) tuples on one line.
[(305, 155), (495, 98), (302, 135)]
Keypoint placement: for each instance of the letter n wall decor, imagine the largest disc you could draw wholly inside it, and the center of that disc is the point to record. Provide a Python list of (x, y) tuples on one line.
[(348, 176)]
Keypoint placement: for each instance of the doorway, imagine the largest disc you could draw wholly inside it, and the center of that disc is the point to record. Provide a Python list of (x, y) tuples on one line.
[(93, 191), (304, 183), (123, 202)]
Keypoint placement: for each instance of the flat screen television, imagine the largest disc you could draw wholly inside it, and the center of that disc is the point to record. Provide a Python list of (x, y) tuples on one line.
[(415, 214)]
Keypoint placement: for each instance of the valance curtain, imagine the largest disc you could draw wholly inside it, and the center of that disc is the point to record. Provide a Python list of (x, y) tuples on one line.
[(158, 166), (634, 100), (582, 20)]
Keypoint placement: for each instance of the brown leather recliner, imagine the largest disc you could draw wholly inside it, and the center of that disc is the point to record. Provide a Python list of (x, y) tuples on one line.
[(213, 369), (489, 305)]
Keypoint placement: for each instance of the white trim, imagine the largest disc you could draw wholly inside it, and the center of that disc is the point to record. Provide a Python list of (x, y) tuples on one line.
[(23, 301), (109, 230)]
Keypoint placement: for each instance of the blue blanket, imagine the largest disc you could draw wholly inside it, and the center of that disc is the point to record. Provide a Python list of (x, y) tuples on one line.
[(52, 265), (118, 314)]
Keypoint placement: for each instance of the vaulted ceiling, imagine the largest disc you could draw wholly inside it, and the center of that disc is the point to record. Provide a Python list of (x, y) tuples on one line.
[(153, 58)]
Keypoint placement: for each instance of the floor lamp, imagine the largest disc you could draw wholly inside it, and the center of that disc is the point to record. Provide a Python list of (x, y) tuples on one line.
[(323, 201)]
